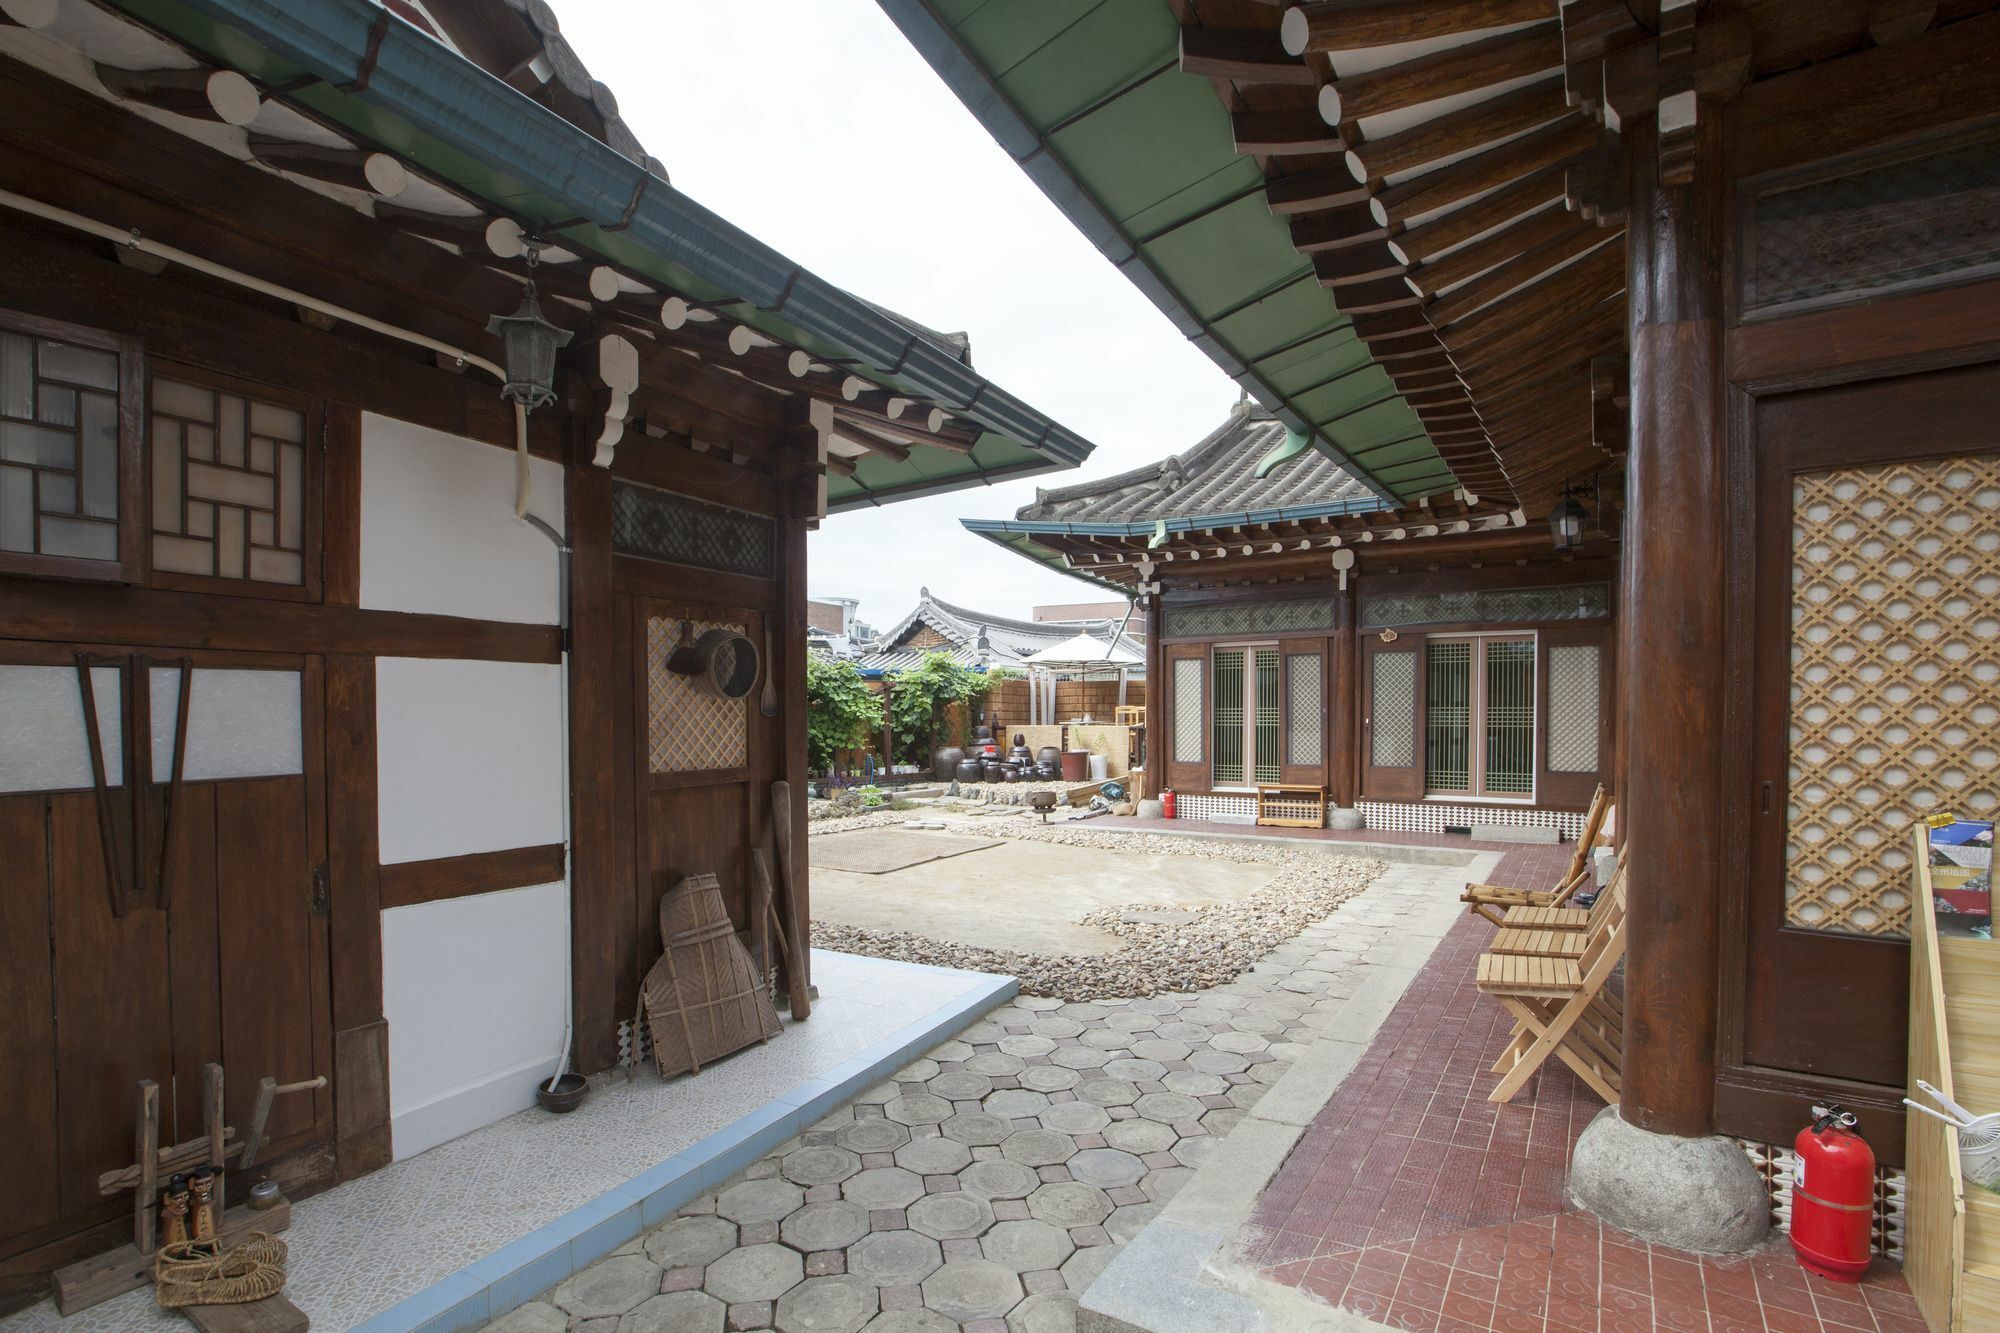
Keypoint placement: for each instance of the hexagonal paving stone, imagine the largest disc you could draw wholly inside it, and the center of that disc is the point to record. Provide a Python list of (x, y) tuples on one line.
[(837, 1304), (960, 1085), (1038, 1147), (955, 1215), (1082, 1268), (1193, 1083), (1070, 1203), (1106, 1039), (1107, 1091), (1195, 1151), (933, 1155), (877, 1134), (1218, 1062), (880, 1093), (951, 1050), (676, 1312), (759, 1200), (1194, 1033), (1221, 1120), (1243, 1043), (612, 1287), (911, 1321), (917, 1108), (978, 1128), (1016, 1103), (1076, 1118), (833, 1225), (1044, 1312), (534, 1317), (1083, 1013), (972, 1289), (1128, 1221), (1140, 1136), (1027, 1246), (1156, 1004), (1170, 1108), (983, 1033), (753, 1273), (895, 1258), (1134, 1070), (824, 1165), (1080, 1057), (1053, 1025), (1255, 1020), (1037, 1003), (883, 1187), (999, 1179), (1162, 1186), (1126, 1020), (917, 1071), (1158, 1048), (1026, 1044), (1247, 1095), (996, 1064), (690, 1242), (1106, 1168), (1049, 1078)]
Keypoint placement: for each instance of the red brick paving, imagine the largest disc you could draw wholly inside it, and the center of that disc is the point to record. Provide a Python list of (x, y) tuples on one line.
[(1414, 1201)]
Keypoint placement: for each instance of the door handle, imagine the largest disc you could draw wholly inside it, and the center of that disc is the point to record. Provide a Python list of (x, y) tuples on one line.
[(321, 901), (1769, 798)]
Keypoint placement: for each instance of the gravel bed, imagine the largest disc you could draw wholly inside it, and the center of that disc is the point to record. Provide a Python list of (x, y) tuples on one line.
[(1191, 947)]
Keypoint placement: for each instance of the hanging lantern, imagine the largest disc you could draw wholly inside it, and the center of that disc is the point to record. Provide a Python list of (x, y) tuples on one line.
[(1567, 520), (531, 343)]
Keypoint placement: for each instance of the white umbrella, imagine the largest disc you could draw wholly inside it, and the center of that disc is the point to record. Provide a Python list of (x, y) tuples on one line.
[(1083, 651)]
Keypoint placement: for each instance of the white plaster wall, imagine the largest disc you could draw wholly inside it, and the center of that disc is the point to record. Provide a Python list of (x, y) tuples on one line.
[(473, 990), (469, 756), (438, 531)]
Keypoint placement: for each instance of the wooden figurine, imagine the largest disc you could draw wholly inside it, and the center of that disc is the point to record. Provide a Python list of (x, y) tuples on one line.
[(174, 1212), (203, 1185)]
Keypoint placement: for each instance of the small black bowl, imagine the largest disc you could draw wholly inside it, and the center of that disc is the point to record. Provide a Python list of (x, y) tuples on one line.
[(567, 1094)]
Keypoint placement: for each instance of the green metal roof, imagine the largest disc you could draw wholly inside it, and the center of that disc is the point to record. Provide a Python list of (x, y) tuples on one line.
[(1089, 99), (432, 107)]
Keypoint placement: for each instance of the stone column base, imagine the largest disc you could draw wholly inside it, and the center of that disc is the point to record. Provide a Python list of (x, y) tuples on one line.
[(1692, 1194)]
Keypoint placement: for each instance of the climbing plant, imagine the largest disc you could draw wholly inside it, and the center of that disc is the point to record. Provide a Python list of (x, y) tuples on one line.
[(919, 699), (840, 709)]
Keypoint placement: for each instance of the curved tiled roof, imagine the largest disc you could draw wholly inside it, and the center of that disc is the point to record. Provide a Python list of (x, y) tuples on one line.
[(978, 639), (1216, 476)]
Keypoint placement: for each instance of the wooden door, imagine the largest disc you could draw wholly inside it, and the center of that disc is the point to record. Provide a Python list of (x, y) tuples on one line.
[(1392, 751), (141, 940), (1872, 697)]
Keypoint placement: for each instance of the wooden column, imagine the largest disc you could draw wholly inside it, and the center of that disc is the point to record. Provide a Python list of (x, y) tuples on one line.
[(599, 900), (1343, 715), (1156, 694), (1671, 630)]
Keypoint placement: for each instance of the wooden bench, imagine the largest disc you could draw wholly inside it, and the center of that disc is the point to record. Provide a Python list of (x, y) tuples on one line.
[(1491, 900), (1562, 1007), (1291, 805)]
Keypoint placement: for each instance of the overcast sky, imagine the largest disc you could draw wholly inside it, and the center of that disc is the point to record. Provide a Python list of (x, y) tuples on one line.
[(814, 125)]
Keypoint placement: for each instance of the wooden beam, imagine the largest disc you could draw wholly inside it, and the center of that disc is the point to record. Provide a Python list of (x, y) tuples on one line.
[(1444, 186), (1353, 265), (1333, 228), (405, 883), (1563, 245), (1510, 242), (1377, 295), (1446, 73), (1459, 131), (220, 95), (1283, 133), (1247, 55), (1352, 25), (1562, 293), (1419, 245), (353, 168), (1326, 188)]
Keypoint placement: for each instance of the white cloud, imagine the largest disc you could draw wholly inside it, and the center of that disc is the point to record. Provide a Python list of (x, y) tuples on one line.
[(815, 126)]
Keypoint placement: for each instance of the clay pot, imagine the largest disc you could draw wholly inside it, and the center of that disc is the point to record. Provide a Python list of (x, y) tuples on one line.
[(992, 768), (1075, 765), (945, 762), (969, 770), (1049, 755)]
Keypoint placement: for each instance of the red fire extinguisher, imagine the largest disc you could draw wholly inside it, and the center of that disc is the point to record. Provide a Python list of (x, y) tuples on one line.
[(1167, 803), (1833, 1198)]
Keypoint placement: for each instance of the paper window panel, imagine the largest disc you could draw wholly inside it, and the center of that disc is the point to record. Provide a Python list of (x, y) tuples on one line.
[(1393, 710), (229, 485), (1305, 725), (58, 449), (44, 740), (1187, 710), (1574, 691)]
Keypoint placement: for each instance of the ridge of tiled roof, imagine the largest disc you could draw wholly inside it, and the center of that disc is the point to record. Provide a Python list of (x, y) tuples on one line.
[(1006, 640), (1217, 475)]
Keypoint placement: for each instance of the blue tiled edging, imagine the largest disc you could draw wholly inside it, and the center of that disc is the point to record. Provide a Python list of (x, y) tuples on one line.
[(518, 1272)]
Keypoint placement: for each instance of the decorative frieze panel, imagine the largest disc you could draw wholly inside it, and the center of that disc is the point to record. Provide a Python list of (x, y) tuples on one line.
[(59, 435), (660, 525), (229, 485), (1250, 617), (1493, 606), (1895, 679), (1574, 694), (689, 730)]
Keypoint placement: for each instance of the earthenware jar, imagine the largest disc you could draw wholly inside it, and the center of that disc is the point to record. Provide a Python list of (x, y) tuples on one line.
[(946, 761)]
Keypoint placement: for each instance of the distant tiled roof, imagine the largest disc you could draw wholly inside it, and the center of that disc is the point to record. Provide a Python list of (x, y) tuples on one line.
[(1216, 476), (977, 639)]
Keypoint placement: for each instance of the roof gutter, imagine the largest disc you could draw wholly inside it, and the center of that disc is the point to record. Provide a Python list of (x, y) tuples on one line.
[(989, 104), (1155, 529), (442, 95)]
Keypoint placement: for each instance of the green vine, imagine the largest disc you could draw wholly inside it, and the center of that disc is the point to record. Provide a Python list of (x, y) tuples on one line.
[(840, 709), (919, 699)]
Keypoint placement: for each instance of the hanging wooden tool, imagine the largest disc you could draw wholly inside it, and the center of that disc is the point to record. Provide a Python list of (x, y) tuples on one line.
[(795, 970), (268, 1091)]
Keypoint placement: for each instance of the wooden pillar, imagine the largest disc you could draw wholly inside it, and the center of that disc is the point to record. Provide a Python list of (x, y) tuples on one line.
[(1671, 630), (1157, 725), (600, 896), (1343, 714)]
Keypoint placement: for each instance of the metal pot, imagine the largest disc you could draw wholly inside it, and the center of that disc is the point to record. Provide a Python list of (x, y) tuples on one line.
[(946, 761), (969, 770)]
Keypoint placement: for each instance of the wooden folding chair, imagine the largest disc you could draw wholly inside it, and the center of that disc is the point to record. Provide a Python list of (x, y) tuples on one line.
[(1561, 1007), (1534, 930), (1490, 900)]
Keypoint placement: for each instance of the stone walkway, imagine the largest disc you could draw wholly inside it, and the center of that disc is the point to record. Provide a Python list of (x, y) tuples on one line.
[(988, 1183)]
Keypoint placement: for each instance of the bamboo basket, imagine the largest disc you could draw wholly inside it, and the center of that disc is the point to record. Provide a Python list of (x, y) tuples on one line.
[(703, 998)]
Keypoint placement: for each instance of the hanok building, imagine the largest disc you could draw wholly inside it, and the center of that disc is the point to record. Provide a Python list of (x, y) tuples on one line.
[(315, 757), (1725, 268), (977, 640)]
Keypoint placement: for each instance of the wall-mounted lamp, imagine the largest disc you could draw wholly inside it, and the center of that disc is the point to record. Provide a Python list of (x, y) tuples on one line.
[(1567, 520), (531, 343)]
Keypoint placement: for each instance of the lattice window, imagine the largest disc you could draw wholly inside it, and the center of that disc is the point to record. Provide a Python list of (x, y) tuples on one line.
[(1282, 617), (1228, 687), (1264, 750), (1392, 693), (1497, 606), (59, 449), (1187, 710), (1899, 224), (1305, 728), (1895, 679), (660, 525), (689, 730), (229, 485), (1574, 691), (1448, 715)]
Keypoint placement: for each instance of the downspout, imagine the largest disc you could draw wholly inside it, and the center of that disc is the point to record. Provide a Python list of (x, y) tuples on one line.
[(561, 543)]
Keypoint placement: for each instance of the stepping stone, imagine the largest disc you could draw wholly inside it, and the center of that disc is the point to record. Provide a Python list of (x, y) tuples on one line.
[(691, 1242), (1016, 1103), (825, 1165), (934, 1155), (979, 1128), (1027, 1246), (1038, 1147), (759, 1200), (1049, 1078), (1076, 1118), (675, 1312), (1170, 1108), (877, 1134), (1070, 1203), (833, 1225), (612, 1287), (1045, 1312), (1082, 1268), (960, 1085), (957, 1215), (917, 1108), (883, 1187), (836, 1304), (1140, 1136), (1106, 1168), (999, 1179), (972, 1289), (754, 1273), (894, 1258)]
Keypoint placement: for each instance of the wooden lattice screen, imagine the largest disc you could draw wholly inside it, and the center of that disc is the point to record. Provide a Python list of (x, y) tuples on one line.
[(1895, 679), (687, 729)]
